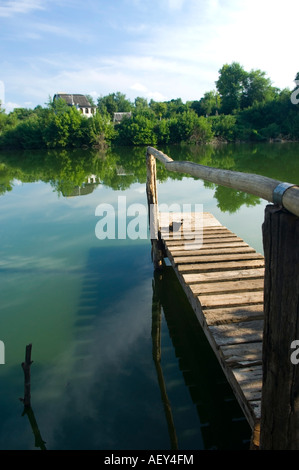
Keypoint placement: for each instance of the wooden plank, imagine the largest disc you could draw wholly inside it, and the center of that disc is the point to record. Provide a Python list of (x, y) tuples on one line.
[(212, 246), (214, 258), (242, 355), (249, 380), (234, 299), (224, 275), (213, 251), (221, 266), (184, 230), (241, 313), (234, 333), (207, 240), (205, 218), (229, 286)]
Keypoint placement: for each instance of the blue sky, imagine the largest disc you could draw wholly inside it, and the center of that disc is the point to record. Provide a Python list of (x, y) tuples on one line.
[(157, 49)]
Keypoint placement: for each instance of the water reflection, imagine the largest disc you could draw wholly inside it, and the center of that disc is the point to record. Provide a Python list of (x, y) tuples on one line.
[(209, 418), (77, 172), (109, 392), (156, 338), (89, 308)]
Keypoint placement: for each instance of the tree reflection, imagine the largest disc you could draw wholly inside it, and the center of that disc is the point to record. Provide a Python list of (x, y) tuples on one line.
[(69, 171)]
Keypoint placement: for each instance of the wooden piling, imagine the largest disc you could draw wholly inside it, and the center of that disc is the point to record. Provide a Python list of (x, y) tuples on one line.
[(280, 393), (153, 211)]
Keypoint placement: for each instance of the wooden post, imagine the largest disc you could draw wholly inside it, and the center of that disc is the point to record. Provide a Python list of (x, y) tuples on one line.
[(27, 385), (280, 393), (153, 210)]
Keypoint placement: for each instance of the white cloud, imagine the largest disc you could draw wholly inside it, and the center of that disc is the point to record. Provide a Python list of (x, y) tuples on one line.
[(62, 31), (12, 7), (139, 87), (146, 93), (10, 106), (176, 4)]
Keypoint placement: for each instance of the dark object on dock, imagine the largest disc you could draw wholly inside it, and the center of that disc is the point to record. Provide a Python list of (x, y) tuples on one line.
[(175, 226)]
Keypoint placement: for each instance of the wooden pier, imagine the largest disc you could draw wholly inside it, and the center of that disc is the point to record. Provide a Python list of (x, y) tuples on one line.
[(246, 303), (223, 278)]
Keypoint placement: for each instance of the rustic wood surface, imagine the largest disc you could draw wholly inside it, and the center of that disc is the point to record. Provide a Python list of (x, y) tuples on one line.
[(224, 282)]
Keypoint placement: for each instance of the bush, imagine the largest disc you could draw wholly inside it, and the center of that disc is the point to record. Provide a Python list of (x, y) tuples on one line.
[(224, 126)]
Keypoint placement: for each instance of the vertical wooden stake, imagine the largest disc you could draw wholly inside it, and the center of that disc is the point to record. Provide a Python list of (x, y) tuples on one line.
[(153, 210), (280, 393), (27, 379)]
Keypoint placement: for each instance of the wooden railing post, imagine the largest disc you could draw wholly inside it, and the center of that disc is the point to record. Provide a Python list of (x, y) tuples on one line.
[(153, 211), (280, 393)]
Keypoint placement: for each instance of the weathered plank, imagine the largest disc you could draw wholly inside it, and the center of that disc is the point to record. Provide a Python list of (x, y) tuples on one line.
[(241, 313), (220, 266), (228, 286), (224, 275), (212, 251), (234, 299), (214, 258), (207, 238), (250, 381), (242, 355), (234, 333), (175, 248)]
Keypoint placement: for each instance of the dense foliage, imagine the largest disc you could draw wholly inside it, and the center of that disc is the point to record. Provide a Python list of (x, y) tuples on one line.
[(244, 107)]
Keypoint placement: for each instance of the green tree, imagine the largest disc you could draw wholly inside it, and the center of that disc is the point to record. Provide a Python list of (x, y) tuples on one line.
[(140, 103), (209, 104), (162, 131), (175, 107), (113, 103), (159, 108), (230, 86), (3, 119), (137, 130), (101, 130), (90, 100), (223, 126), (257, 89), (202, 131), (185, 125)]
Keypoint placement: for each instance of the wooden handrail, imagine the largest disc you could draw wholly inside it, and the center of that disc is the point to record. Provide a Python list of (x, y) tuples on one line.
[(261, 186)]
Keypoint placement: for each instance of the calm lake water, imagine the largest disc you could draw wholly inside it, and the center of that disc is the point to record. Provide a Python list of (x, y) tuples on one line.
[(90, 306)]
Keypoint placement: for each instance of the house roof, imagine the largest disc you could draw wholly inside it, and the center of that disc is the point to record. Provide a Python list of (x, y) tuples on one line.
[(74, 100), (117, 117)]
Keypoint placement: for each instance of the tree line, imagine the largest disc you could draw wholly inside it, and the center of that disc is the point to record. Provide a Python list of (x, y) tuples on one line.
[(243, 107)]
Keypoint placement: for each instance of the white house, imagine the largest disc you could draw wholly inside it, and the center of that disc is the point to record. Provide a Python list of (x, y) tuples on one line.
[(80, 101)]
